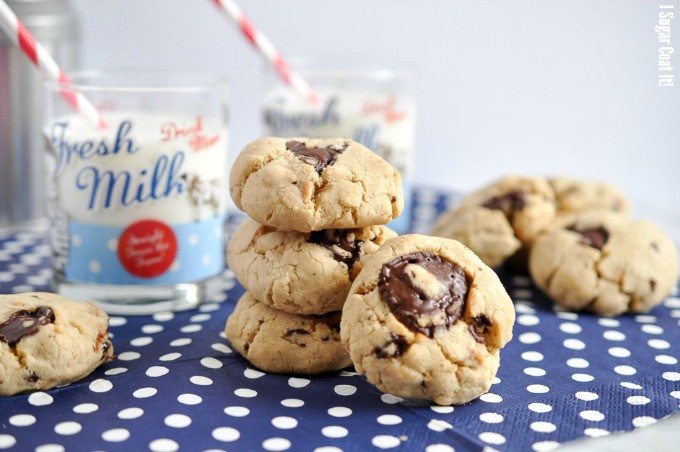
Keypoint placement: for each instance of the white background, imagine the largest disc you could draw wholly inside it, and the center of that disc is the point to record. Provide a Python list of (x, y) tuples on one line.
[(539, 87)]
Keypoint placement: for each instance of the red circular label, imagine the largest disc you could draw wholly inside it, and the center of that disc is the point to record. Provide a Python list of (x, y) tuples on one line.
[(147, 248)]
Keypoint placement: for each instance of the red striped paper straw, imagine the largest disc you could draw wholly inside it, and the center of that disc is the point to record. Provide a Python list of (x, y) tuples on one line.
[(23, 39), (265, 46)]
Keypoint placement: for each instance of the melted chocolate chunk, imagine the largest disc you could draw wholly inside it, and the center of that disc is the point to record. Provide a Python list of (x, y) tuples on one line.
[(652, 284), (32, 377), (24, 323), (413, 305), (480, 327), (396, 346), (319, 158), (593, 237), (509, 203), (336, 240)]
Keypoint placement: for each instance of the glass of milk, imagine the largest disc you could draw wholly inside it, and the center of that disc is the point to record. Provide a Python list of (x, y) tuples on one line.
[(138, 209), (373, 105)]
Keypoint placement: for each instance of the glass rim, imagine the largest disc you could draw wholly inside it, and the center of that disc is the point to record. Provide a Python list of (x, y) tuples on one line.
[(344, 67), (203, 81)]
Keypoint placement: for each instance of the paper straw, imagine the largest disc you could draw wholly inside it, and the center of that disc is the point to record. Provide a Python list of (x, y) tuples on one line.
[(267, 49), (35, 52)]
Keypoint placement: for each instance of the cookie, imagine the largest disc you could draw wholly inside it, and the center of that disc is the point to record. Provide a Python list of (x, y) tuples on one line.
[(574, 195), (301, 273), (308, 184), (279, 342), (604, 263), (498, 220), (426, 318), (47, 340)]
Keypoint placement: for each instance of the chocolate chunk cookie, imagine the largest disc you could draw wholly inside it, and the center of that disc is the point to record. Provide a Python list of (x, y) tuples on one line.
[(426, 318), (575, 195), (279, 342), (301, 273), (605, 263), (47, 340), (308, 184), (498, 220)]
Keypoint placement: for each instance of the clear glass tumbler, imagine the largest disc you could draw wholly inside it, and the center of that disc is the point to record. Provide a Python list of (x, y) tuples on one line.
[(138, 208)]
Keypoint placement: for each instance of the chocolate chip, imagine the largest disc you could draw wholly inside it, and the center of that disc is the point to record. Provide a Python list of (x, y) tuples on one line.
[(593, 237), (480, 327), (319, 158), (413, 305), (24, 323), (32, 378), (652, 284), (337, 240), (509, 203), (655, 246), (395, 347)]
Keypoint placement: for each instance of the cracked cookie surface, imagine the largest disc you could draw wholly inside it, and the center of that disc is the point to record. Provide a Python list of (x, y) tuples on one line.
[(47, 340), (279, 342), (498, 220), (605, 263), (306, 184), (574, 195), (301, 273), (426, 318)]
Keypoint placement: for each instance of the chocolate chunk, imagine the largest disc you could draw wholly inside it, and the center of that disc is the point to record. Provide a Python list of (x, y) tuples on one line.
[(480, 327), (396, 346), (24, 323), (415, 306), (337, 240), (509, 203), (652, 284), (655, 246), (32, 378), (319, 158), (593, 237)]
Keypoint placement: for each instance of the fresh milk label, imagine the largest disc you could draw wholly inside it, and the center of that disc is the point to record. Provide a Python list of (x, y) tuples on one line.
[(141, 202)]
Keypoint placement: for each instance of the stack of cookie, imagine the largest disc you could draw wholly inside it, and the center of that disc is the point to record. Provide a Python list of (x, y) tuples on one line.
[(316, 208)]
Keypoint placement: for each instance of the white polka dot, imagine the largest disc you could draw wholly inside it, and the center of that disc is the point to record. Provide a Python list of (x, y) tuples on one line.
[(237, 411), (619, 352), (334, 431), (141, 341), (245, 393), (144, 393), (101, 385), (345, 390), (438, 425), (7, 441), (595, 432), (532, 356), (491, 398), (567, 315), (538, 389), (643, 421), (574, 344), (252, 373), (577, 363), (163, 445), (625, 370), (385, 441), (117, 321), (587, 396), (181, 342), (22, 420), (152, 329), (645, 318), (163, 316), (672, 302), (613, 335), (671, 376), (492, 438), (222, 348), (112, 244), (529, 338), (539, 407), (340, 411), (543, 427), (226, 434), (189, 399), (292, 403), (534, 371), (157, 371), (128, 356), (177, 421), (276, 444), (652, 329), (630, 385), (389, 419), (439, 448), (609, 323), (390, 399), (131, 413), (491, 418), (666, 359), (294, 382), (50, 448), (570, 328), (284, 422), (638, 400), (658, 344), (544, 446), (591, 415), (40, 399), (116, 371), (85, 408), (209, 307), (193, 328), (522, 308), (95, 266), (211, 363), (528, 320), (68, 428), (495, 381), (170, 357), (193, 239), (675, 394), (582, 378), (442, 409), (116, 435)]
